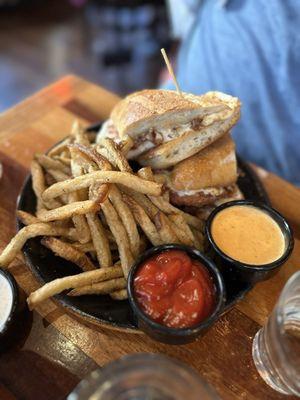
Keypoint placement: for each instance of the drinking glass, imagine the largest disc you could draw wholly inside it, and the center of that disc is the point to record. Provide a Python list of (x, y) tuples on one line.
[(276, 347), (144, 377)]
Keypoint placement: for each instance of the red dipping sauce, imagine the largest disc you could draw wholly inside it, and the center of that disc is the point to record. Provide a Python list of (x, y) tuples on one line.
[(174, 290)]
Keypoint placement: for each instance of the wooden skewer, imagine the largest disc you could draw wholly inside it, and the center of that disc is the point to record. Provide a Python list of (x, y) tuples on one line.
[(170, 69)]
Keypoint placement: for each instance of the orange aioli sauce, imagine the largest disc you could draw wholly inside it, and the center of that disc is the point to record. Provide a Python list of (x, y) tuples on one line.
[(248, 234)]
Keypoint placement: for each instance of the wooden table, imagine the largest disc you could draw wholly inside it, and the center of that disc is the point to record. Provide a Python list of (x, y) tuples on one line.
[(59, 350)]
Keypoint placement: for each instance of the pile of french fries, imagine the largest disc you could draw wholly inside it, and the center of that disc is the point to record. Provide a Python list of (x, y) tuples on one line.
[(94, 211)]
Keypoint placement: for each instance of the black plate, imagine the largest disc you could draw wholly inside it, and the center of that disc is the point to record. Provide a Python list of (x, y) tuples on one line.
[(102, 310)]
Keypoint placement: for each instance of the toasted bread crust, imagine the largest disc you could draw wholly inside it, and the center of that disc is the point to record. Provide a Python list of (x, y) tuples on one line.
[(214, 166), (146, 103), (190, 143), (142, 110)]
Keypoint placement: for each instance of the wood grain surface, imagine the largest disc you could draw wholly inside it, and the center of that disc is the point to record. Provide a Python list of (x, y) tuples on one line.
[(58, 350)]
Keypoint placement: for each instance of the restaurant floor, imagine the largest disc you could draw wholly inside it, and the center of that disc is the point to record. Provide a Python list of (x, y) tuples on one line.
[(41, 41)]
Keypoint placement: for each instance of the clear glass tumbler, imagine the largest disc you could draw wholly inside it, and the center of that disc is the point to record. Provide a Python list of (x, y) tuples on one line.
[(144, 377), (276, 347)]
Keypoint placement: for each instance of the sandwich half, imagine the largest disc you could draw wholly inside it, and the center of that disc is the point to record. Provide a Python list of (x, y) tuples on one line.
[(206, 178), (167, 127)]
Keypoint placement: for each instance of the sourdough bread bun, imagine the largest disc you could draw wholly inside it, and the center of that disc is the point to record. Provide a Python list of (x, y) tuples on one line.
[(155, 109), (204, 178), (212, 127), (214, 166)]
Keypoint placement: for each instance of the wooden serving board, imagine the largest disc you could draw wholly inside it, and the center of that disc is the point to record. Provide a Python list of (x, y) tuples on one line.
[(59, 350)]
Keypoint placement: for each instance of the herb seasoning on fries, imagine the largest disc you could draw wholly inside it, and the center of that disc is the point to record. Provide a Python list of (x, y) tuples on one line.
[(94, 211)]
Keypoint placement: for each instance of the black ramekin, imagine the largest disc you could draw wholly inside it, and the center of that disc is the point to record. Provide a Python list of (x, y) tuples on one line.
[(235, 270), (175, 335), (19, 322), (6, 332)]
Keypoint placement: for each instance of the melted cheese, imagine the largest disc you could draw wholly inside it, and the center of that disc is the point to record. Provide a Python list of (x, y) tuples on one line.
[(144, 146), (206, 192), (144, 141), (108, 130)]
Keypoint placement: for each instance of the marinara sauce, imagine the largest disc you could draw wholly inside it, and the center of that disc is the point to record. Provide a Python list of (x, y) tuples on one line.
[(174, 290)]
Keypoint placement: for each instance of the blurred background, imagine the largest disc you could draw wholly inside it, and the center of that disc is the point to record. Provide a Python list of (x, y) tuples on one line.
[(110, 42), (249, 49)]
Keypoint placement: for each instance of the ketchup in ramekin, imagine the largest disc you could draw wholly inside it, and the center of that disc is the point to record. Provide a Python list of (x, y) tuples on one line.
[(174, 290)]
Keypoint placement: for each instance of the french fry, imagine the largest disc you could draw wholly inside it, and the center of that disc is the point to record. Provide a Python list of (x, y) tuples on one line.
[(89, 247), (60, 147), (97, 191), (180, 233), (81, 138), (143, 244), (78, 165), (120, 234), (146, 173), (68, 252), (59, 176), (26, 218), (164, 228), (92, 155), (101, 178), (182, 229), (100, 241), (160, 178), (110, 236), (65, 160), (142, 200), (166, 196), (105, 287), (168, 208), (143, 220), (71, 282), (79, 134), (65, 153), (28, 232), (199, 239), (29, 219), (119, 295), (49, 163), (50, 180), (163, 204), (67, 232), (84, 247), (38, 185), (193, 221), (116, 157), (84, 181), (102, 151), (67, 211), (127, 218), (79, 221), (126, 145)]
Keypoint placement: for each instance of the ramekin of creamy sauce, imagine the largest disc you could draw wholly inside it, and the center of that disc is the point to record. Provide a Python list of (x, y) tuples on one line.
[(252, 240), (7, 295)]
